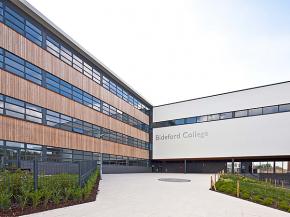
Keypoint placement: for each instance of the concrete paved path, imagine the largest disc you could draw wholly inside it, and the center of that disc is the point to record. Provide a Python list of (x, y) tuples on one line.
[(142, 195)]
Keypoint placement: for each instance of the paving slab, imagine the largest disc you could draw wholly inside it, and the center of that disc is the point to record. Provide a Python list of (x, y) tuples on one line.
[(143, 195)]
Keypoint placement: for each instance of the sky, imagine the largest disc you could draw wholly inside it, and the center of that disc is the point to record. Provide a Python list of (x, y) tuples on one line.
[(173, 50)]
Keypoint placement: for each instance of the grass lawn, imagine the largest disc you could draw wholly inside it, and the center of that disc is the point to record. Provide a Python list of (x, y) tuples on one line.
[(257, 191)]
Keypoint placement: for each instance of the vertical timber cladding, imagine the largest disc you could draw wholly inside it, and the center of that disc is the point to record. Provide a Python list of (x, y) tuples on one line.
[(22, 131), (32, 93), (19, 45)]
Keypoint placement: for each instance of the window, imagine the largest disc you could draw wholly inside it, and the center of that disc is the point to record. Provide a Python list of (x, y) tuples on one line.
[(14, 108), (33, 33), (87, 99), (77, 63), (270, 109), (119, 115), (52, 118), (1, 58), (119, 92), (113, 112), (255, 111), (78, 126), (106, 83), (242, 113), (77, 95), (96, 76), (1, 12), (113, 87), (125, 96), (106, 134), (119, 138), (14, 20), (66, 122), (179, 121), (213, 117), (190, 120), (52, 82), (113, 136), (33, 113), (226, 115), (88, 155), (105, 109), (14, 64), (52, 46), (78, 155), (88, 129), (131, 100), (65, 89), (284, 108), (96, 104), (65, 55), (14, 144), (88, 70), (96, 131), (1, 104), (201, 119), (33, 73), (125, 118)]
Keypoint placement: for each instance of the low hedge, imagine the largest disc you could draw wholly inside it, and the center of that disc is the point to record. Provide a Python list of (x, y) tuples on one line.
[(257, 191), (17, 191)]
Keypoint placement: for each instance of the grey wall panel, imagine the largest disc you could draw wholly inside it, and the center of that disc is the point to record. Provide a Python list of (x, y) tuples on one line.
[(114, 169)]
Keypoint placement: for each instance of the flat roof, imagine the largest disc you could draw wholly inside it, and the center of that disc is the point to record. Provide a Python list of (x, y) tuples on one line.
[(43, 20), (251, 88)]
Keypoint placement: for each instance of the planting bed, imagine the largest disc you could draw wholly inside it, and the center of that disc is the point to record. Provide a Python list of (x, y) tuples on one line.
[(256, 191), (17, 196)]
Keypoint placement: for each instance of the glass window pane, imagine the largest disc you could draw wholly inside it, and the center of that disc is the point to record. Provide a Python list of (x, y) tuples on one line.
[(284, 108), (179, 121), (255, 111), (190, 120), (201, 119), (213, 117), (270, 109), (242, 113), (226, 115)]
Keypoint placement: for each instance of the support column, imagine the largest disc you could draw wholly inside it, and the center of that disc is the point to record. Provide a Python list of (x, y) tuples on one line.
[(233, 166), (185, 166)]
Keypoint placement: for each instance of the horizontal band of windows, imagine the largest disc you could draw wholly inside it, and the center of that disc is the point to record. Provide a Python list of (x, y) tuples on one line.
[(12, 151), (28, 71), (33, 31), (226, 115), (19, 109)]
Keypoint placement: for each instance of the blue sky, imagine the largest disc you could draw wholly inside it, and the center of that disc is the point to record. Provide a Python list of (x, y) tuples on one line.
[(174, 50)]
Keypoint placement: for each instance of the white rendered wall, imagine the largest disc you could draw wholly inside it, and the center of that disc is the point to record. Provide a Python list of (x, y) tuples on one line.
[(265, 135), (263, 96)]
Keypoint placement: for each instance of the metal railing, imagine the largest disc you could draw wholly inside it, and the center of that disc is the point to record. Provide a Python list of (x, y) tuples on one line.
[(40, 172)]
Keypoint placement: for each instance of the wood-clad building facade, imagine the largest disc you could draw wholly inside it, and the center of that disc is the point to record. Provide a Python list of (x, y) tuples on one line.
[(59, 102)]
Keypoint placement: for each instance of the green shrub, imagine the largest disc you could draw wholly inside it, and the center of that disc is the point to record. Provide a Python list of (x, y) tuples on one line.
[(47, 195), (77, 194), (268, 201), (257, 199), (23, 197), (56, 197), (35, 198), (5, 200), (67, 193), (245, 195), (283, 205)]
